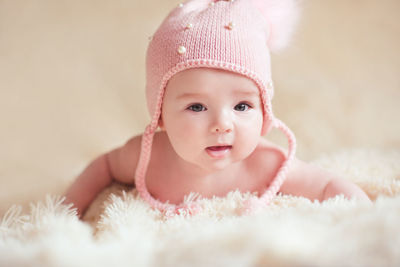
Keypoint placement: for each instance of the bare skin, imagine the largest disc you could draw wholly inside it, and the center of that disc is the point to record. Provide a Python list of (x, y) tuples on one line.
[(204, 109), (165, 183)]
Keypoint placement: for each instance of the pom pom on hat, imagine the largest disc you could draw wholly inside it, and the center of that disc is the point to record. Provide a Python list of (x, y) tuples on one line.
[(282, 17)]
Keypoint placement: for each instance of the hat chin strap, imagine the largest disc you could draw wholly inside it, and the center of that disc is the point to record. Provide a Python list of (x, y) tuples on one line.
[(184, 208), (280, 177), (144, 159), (140, 183)]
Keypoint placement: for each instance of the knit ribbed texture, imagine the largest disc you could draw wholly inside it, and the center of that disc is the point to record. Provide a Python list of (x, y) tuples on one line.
[(229, 35), (209, 39)]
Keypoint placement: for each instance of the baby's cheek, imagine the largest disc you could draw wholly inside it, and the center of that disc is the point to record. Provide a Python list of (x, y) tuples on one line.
[(249, 134), (187, 133), (197, 124), (248, 143), (253, 125), (190, 126)]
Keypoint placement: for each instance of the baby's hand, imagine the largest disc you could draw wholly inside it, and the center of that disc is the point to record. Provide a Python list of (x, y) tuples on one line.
[(314, 183), (339, 186)]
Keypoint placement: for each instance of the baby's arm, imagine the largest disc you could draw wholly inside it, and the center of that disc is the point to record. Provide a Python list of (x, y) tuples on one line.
[(118, 164), (307, 180), (89, 183)]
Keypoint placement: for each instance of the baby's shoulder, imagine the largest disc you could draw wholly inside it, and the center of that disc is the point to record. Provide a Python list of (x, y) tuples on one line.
[(267, 158), (123, 160), (266, 148)]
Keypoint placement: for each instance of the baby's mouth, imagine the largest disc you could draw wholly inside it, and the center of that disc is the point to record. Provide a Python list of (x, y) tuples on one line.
[(218, 151)]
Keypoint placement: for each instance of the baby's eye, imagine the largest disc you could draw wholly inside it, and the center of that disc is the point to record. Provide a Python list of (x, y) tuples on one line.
[(197, 107), (242, 107)]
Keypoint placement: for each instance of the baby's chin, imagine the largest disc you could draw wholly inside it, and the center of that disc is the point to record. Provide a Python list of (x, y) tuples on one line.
[(209, 163), (219, 164)]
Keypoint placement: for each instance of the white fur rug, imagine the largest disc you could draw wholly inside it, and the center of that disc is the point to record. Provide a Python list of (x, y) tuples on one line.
[(123, 231)]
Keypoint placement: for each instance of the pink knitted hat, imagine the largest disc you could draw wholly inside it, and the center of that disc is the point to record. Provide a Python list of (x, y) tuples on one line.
[(233, 35)]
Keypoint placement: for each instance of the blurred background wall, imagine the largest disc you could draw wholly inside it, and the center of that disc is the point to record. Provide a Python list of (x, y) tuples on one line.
[(72, 83)]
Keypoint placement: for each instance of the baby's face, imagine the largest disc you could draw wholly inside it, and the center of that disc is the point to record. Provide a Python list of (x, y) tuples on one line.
[(213, 118)]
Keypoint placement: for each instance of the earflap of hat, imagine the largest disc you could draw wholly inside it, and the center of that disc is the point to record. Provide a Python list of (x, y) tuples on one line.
[(267, 126), (281, 175), (266, 93)]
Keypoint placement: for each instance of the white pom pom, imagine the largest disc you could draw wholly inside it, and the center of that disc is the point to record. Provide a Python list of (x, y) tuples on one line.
[(282, 17)]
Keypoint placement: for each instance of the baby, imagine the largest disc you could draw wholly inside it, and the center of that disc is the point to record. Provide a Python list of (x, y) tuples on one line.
[(209, 90)]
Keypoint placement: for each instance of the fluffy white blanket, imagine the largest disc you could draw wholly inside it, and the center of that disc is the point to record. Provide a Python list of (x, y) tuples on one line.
[(121, 230)]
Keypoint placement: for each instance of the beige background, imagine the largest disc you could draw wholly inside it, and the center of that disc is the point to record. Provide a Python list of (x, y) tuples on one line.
[(72, 83)]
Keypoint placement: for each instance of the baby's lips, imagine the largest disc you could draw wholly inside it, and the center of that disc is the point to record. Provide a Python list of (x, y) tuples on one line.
[(219, 151), (219, 147)]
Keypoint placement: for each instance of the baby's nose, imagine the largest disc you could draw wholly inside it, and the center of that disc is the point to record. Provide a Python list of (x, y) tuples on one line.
[(222, 130), (223, 124)]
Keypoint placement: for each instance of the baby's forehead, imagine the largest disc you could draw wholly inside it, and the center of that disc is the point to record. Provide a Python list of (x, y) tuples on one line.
[(206, 80)]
